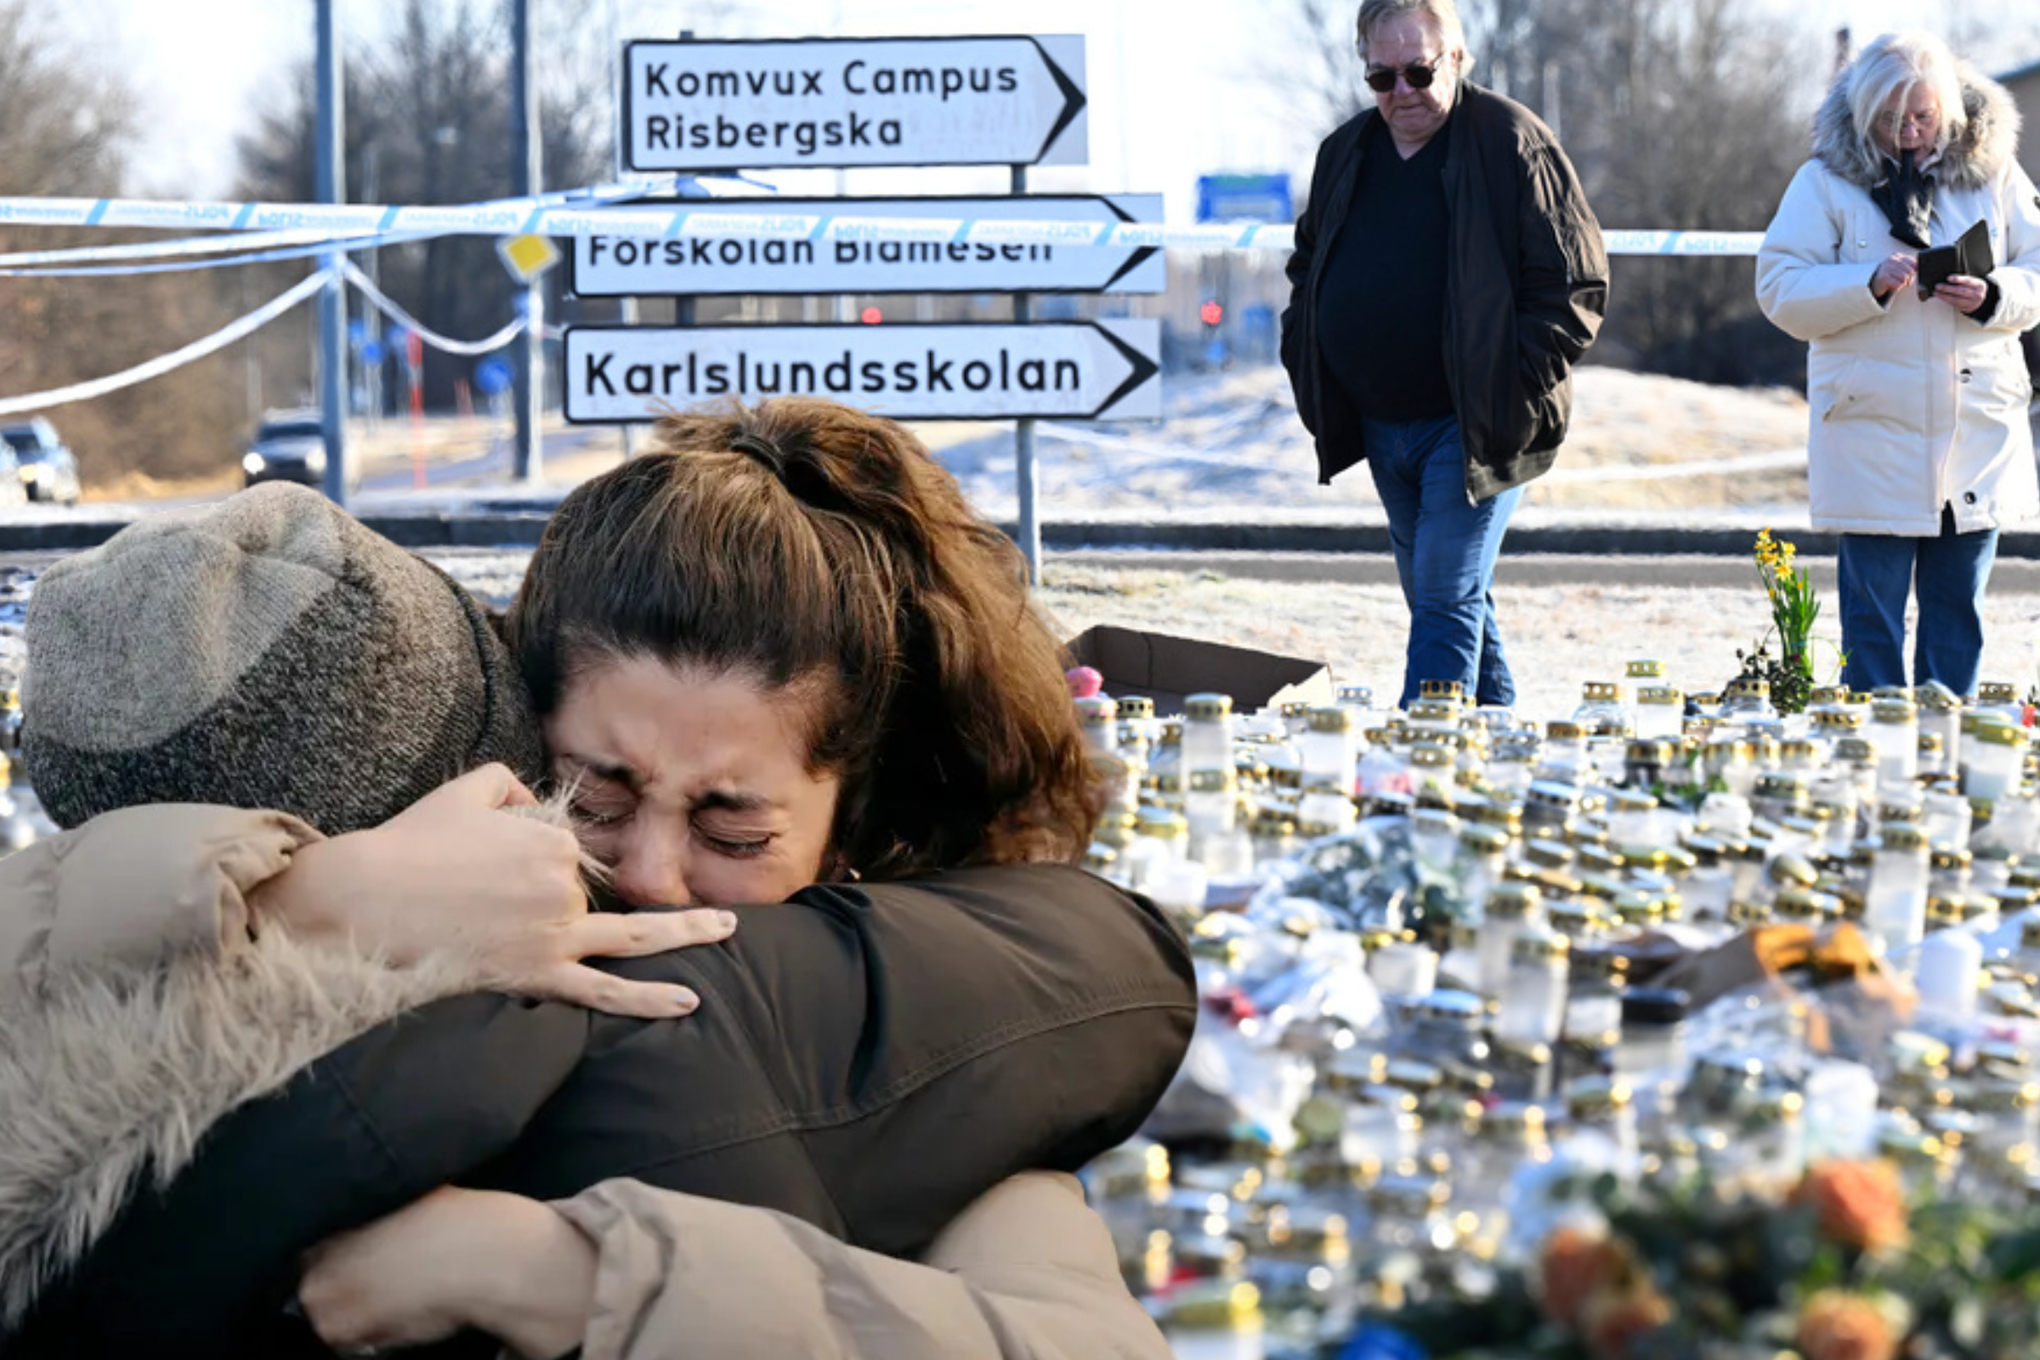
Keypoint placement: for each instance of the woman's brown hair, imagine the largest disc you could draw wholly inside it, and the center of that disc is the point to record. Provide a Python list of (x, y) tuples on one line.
[(815, 547)]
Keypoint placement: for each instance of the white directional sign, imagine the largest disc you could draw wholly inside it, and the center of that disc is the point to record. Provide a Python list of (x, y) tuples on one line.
[(1088, 370), (948, 259), (838, 102)]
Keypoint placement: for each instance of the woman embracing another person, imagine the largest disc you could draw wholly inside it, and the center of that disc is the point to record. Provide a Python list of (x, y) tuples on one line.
[(264, 1087)]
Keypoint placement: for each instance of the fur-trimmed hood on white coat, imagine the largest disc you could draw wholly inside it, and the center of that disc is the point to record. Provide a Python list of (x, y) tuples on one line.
[(1984, 147), (1914, 406)]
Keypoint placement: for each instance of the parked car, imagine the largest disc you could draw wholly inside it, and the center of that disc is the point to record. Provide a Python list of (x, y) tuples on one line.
[(287, 449), (44, 467), (12, 492)]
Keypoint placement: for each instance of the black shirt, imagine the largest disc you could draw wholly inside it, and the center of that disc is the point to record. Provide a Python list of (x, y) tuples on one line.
[(1381, 311)]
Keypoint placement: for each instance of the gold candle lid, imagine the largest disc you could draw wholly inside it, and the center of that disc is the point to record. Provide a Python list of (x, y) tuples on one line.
[(1334, 721), (1511, 900), (1596, 1097), (1540, 946)]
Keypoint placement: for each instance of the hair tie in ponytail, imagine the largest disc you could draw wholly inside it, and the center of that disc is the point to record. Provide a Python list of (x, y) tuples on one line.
[(763, 451)]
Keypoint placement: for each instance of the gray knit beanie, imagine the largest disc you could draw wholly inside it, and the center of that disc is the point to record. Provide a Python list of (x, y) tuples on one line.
[(265, 652)]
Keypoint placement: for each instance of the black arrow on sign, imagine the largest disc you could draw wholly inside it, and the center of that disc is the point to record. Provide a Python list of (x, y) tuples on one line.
[(1134, 260), (1143, 369), (1073, 99)]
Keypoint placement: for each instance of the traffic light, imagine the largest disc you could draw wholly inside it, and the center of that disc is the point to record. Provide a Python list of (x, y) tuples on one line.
[(1211, 313)]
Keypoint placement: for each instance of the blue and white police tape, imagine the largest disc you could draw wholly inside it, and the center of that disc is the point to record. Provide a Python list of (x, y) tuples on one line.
[(188, 262), (390, 309), (246, 325), (157, 367), (1727, 243), (265, 234), (690, 219)]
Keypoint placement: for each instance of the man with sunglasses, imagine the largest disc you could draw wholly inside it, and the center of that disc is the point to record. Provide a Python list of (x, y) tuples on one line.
[(1448, 273)]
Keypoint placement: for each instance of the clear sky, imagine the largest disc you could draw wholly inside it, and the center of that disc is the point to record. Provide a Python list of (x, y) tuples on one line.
[(1172, 95)]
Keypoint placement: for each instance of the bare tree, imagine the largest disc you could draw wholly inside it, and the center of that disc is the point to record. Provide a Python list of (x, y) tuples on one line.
[(65, 129), (1676, 136), (428, 121), (65, 125), (1311, 64), (1998, 37)]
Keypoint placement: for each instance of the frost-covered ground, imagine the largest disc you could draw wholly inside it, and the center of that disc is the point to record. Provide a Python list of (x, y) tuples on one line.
[(1231, 445), (1644, 451), (1559, 636)]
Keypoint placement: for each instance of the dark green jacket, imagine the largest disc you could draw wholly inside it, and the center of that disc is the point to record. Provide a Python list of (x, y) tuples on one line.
[(1526, 287), (867, 1058)]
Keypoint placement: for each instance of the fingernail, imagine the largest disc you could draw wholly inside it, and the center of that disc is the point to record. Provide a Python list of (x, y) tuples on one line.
[(684, 1001), (726, 919)]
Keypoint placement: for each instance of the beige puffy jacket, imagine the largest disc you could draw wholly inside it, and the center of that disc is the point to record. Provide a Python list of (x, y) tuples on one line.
[(130, 934), (1914, 405)]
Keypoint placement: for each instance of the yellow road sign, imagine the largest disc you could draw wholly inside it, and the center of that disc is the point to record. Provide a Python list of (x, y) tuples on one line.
[(527, 257)]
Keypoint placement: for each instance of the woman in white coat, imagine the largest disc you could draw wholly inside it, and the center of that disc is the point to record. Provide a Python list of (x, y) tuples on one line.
[(1920, 449)]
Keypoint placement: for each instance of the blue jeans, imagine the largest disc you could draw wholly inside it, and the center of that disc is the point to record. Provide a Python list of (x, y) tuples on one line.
[(1445, 550), (1878, 572)]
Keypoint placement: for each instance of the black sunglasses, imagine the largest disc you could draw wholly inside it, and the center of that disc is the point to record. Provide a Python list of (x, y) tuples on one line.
[(1419, 74)]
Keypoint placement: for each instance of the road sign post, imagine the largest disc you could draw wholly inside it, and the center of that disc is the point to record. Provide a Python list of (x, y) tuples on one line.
[(527, 178), (836, 103), (332, 187), (841, 103), (1026, 471)]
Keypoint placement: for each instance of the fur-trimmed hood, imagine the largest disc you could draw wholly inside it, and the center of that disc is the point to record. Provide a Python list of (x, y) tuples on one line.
[(1983, 148), (108, 1082), (123, 1042)]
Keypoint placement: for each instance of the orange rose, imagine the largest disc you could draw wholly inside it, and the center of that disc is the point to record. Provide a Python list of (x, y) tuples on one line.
[(1574, 1266), (1617, 1321), (1859, 1204), (1838, 1325)]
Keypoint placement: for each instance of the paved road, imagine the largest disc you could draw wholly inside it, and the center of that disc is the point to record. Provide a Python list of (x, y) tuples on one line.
[(2013, 576)]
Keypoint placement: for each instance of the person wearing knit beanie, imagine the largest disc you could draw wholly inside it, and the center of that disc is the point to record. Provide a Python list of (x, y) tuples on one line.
[(273, 651), (340, 677)]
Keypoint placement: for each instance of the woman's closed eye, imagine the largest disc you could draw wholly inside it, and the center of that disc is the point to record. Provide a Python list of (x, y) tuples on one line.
[(598, 796), (735, 844), (598, 811)]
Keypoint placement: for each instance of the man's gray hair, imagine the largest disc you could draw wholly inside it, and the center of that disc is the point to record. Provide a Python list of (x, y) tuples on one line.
[(1444, 13), (1886, 74)]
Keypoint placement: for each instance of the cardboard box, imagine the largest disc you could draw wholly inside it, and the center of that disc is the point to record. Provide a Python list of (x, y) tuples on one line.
[(1166, 668)]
